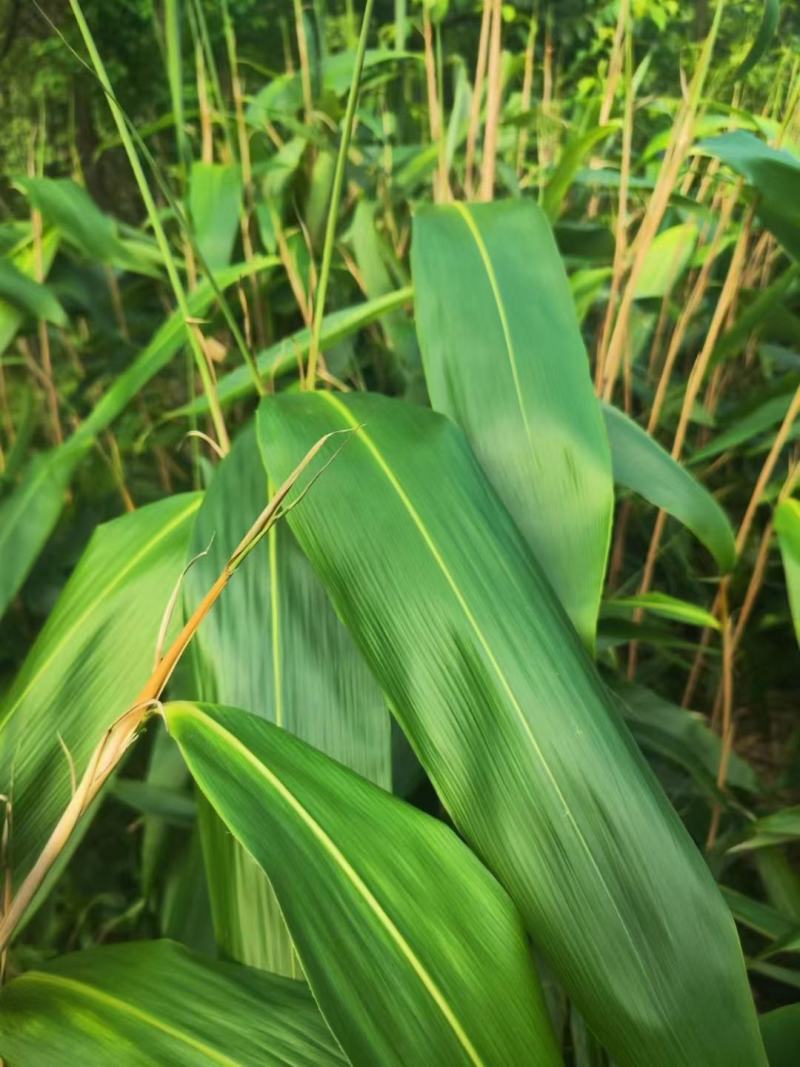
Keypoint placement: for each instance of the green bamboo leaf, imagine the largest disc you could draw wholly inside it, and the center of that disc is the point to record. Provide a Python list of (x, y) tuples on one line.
[(29, 513), (758, 916), (781, 1032), (94, 234), (515, 729), (39, 301), (289, 353), (380, 274), (666, 260), (273, 645), (777, 828), (763, 39), (641, 464), (24, 259), (150, 1003), (667, 607), (787, 526), (503, 356), (570, 161), (762, 418), (87, 665), (215, 196), (773, 173), (681, 736), (412, 950)]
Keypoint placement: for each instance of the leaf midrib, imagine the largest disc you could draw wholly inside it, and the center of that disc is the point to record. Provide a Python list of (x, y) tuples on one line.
[(360, 886), (125, 1008), (361, 433), (501, 312)]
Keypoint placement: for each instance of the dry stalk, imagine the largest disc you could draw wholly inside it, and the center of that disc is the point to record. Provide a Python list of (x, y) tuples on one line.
[(121, 734), (493, 95), (477, 95), (527, 91), (743, 533), (696, 377), (612, 79)]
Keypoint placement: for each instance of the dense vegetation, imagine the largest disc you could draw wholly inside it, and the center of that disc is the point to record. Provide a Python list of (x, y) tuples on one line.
[(399, 533)]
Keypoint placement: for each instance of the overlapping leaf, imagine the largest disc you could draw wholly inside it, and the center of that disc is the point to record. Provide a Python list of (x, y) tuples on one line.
[(503, 356), (507, 715), (150, 1003), (412, 950), (273, 645), (86, 667)]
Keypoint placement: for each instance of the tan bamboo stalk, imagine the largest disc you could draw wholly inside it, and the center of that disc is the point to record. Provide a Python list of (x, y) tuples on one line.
[(696, 296), (206, 126), (243, 140), (726, 746), (615, 63), (121, 734), (435, 117), (527, 91), (696, 377), (494, 90), (674, 156), (621, 226), (543, 138), (762, 481), (760, 565), (305, 66), (477, 97)]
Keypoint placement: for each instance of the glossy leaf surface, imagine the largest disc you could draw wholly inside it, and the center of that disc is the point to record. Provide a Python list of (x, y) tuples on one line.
[(405, 968), (88, 664), (515, 729), (272, 645), (503, 356), (148, 1004)]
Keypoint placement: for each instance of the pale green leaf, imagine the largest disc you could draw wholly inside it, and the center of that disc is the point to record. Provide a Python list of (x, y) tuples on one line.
[(666, 259), (663, 605), (290, 352), (32, 297), (787, 527), (215, 194)]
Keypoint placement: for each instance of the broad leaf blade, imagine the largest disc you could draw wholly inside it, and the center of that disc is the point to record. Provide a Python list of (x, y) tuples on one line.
[(503, 356), (30, 296), (151, 1003), (781, 1032), (273, 645), (641, 464), (405, 969), (774, 173), (215, 194), (88, 664), (515, 729)]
